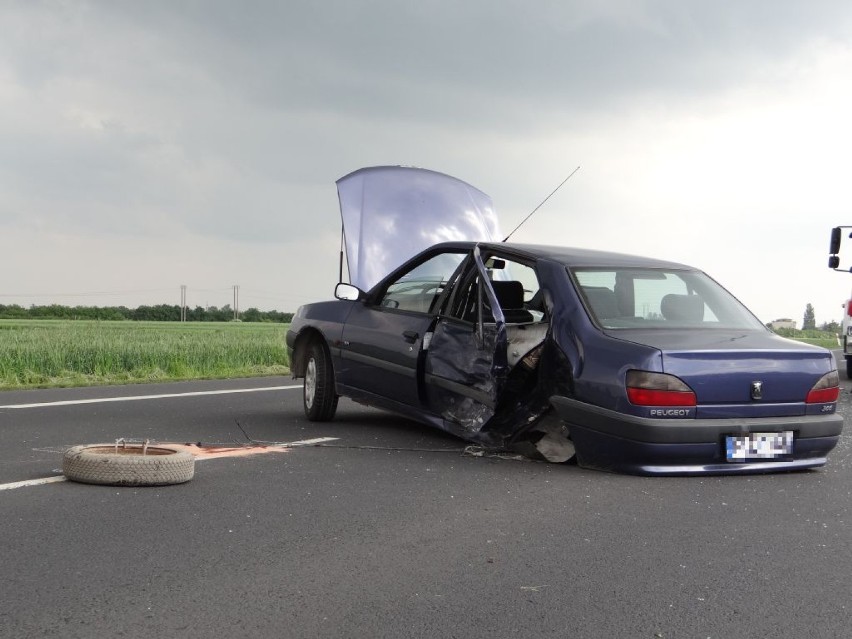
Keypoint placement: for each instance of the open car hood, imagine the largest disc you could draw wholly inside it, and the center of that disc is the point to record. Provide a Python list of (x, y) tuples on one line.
[(391, 213)]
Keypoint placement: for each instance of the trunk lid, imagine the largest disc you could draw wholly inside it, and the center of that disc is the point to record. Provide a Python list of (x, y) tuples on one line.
[(739, 373)]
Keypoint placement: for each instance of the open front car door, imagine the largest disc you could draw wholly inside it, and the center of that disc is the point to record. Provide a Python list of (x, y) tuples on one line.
[(481, 361)]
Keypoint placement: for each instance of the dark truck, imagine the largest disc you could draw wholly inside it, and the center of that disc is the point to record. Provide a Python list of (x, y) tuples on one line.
[(846, 322)]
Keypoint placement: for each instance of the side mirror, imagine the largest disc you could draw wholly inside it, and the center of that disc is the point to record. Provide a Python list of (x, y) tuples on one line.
[(834, 246), (347, 292)]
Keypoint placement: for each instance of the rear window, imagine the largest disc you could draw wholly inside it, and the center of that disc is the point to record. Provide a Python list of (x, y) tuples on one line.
[(648, 298)]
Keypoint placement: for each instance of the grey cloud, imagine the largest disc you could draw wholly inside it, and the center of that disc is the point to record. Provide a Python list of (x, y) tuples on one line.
[(472, 64), (436, 59)]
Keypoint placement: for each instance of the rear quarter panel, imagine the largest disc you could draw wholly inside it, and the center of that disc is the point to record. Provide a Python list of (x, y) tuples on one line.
[(598, 362)]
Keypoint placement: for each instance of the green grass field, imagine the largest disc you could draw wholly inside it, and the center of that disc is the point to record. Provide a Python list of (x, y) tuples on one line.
[(48, 353), (55, 353)]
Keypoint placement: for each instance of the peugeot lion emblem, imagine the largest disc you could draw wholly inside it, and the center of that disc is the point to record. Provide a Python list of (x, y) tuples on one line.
[(757, 390)]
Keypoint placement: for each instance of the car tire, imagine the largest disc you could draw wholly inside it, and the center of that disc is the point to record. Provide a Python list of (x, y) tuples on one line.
[(318, 395), (109, 465)]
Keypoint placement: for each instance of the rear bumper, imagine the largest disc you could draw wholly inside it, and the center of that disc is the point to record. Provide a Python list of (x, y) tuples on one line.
[(608, 440)]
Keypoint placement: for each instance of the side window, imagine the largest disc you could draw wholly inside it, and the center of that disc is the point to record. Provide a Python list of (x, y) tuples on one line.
[(517, 288), (515, 285), (418, 289)]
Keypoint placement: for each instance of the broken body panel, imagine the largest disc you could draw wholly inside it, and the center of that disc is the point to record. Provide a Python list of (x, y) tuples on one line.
[(471, 376)]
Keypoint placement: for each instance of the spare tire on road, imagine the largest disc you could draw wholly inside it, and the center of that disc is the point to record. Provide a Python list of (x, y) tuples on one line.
[(128, 465)]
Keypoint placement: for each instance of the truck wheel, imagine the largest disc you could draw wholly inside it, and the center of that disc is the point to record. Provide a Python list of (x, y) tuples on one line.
[(849, 368), (320, 400)]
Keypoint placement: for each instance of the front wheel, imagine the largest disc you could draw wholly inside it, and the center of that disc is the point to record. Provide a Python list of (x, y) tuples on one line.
[(320, 400)]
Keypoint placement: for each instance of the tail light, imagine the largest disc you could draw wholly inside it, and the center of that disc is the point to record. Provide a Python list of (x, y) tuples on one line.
[(658, 389), (849, 308), (826, 390)]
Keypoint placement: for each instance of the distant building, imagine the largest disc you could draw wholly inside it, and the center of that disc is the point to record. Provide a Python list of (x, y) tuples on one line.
[(782, 323)]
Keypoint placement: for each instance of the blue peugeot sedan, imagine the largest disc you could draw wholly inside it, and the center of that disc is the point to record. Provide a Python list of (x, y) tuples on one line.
[(618, 362)]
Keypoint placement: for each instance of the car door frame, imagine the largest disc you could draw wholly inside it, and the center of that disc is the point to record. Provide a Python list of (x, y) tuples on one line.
[(464, 371)]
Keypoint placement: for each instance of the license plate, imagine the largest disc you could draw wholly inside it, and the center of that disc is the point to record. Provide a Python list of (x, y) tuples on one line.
[(759, 446)]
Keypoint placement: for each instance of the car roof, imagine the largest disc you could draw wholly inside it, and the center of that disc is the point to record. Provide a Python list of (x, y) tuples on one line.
[(574, 257)]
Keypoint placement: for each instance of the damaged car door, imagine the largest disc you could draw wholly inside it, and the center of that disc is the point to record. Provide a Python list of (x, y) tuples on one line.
[(487, 326)]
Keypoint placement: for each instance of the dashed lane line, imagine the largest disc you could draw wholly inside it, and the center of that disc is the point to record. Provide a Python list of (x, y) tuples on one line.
[(135, 398), (32, 482)]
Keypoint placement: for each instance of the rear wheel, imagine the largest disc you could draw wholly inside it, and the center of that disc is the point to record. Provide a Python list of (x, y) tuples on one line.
[(320, 400), (849, 368)]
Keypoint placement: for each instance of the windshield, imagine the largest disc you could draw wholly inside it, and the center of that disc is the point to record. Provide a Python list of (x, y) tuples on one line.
[(655, 298)]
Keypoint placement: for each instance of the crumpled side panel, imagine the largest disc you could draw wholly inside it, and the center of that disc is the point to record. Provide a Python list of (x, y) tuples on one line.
[(500, 411), (455, 368)]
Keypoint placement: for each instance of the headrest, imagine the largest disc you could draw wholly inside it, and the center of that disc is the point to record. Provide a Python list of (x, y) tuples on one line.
[(510, 294), (603, 301), (682, 308)]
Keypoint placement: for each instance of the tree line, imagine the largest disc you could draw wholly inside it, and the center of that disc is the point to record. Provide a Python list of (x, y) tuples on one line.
[(809, 322), (157, 313)]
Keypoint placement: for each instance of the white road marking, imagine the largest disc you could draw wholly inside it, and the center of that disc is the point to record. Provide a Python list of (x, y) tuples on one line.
[(134, 398), (32, 482), (309, 442), (59, 478)]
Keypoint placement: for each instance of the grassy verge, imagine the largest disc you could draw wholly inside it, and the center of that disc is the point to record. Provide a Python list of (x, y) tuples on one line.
[(42, 354), (826, 339), (825, 343)]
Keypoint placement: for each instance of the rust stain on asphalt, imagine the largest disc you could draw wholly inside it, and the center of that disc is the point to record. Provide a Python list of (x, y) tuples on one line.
[(200, 451)]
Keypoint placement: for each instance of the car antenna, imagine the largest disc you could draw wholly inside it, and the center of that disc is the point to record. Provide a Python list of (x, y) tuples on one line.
[(506, 239)]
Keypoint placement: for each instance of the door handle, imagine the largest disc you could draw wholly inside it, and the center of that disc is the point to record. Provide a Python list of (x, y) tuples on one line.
[(410, 336)]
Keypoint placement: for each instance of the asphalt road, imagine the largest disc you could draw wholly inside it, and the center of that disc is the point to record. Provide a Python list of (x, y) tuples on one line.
[(390, 531)]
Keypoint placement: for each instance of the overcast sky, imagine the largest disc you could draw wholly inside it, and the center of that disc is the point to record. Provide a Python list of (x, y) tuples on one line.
[(151, 144)]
